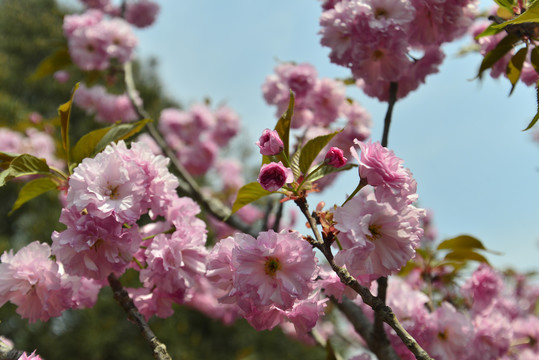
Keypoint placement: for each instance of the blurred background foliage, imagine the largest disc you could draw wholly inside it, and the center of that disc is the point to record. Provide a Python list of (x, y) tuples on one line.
[(30, 31)]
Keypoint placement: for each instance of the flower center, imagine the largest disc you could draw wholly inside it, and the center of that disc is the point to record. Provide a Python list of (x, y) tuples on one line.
[(380, 12), (442, 335), (375, 231), (271, 266)]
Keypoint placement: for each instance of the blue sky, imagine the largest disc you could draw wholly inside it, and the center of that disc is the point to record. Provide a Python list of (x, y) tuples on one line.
[(462, 139)]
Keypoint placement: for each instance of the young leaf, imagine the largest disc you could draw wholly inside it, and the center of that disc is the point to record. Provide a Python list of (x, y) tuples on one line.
[(64, 111), (120, 132), (464, 242), (503, 47), (326, 170), (514, 67), (23, 165), (531, 15), (283, 125), (6, 159), (294, 163), (33, 189), (86, 145), (464, 255), (536, 117), (534, 57), (249, 193), (58, 60), (311, 150), (489, 31)]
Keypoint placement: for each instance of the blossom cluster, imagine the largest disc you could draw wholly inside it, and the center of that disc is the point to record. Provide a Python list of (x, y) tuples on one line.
[(392, 41), (197, 135), (380, 228), (318, 102), (270, 279), (94, 40), (141, 13), (108, 108), (33, 142)]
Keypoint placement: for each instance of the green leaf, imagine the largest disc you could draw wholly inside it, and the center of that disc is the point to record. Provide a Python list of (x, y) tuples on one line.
[(514, 67), (120, 132), (86, 146), (294, 163), (489, 31), (60, 59), (326, 170), (283, 125), (64, 111), (311, 150), (6, 159), (536, 117), (33, 189), (249, 193), (505, 4), (531, 15), (23, 165), (462, 242), (503, 47), (465, 255)]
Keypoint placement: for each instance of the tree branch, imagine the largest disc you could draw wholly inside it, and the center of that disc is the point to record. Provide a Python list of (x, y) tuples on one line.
[(122, 297), (384, 312), (393, 87), (189, 187)]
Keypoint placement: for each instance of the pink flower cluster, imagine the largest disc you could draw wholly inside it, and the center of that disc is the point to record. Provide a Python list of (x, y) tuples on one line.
[(38, 285), (379, 228), (271, 279), (141, 13), (375, 39), (318, 102), (196, 135), (33, 142), (108, 108), (106, 192), (93, 40)]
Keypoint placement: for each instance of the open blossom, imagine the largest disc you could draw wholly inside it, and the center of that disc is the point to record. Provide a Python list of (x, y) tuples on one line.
[(32, 356), (270, 143), (274, 176), (377, 238), (482, 287), (33, 282), (383, 170), (94, 247), (454, 332)]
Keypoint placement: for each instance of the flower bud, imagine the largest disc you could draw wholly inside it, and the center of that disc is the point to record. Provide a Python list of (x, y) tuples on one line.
[(274, 176), (270, 143), (335, 157)]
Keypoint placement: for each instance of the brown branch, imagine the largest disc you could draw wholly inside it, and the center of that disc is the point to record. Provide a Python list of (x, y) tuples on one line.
[(365, 329), (384, 312), (122, 297), (188, 187)]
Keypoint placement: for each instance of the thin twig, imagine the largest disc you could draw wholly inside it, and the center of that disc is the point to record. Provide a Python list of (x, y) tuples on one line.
[(393, 87), (385, 312), (122, 297)]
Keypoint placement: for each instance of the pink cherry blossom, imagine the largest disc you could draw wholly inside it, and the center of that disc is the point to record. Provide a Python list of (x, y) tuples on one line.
[(482, 287), (274, 176), (94, 247), (270, 143), (33, 282), (141, 13), (32, 356), (377, 239), (454, 332), (383, 170), (274, 269)]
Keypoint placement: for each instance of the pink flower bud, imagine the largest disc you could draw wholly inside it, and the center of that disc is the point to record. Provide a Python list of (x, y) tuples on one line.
[(335, 157), (270, 143), (273, 176)]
